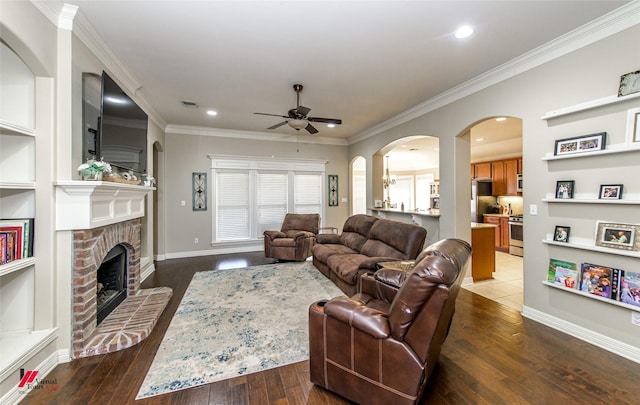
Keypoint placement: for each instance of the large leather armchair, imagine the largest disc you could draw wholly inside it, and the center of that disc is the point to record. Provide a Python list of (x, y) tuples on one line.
[(294, 239), (381, 345)]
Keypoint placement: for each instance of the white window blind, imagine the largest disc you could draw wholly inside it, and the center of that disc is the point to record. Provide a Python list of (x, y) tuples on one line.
[(232, 205), (272, 195), (253, 194), (307, 193)]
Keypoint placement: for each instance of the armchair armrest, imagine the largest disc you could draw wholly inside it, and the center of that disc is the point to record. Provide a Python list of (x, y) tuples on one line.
[(359, 316), (274, 234), (301, 234), (327, 238), (392, 277)]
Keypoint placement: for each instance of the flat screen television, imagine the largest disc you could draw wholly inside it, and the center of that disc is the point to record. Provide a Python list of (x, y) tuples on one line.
[(122, 129)]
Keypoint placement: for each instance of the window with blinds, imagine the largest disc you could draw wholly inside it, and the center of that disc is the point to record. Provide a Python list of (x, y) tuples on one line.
[(232, 205), (253, 195), (307, 193), (272, 196)]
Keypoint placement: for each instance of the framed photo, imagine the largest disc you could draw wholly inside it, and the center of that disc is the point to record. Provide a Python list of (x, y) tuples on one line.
[(633, 126), (610, 191), (618, 236), (584, 143), (333, 190), (564, 189), (561, 233), (629, 83), (199, 188), (377, 203)]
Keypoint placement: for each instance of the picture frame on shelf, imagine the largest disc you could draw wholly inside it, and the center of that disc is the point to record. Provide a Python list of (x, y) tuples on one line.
[(580, 144), (618, 236), (610, 192), (564, 189), (629, 83), (561, 233), (633, 127), (377, 203)]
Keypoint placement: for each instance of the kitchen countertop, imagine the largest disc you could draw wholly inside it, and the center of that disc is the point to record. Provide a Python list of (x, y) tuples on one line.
[(481, 225), (496, 215)]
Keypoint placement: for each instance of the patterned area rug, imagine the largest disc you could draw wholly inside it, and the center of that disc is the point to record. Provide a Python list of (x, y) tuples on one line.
[(236, 322)]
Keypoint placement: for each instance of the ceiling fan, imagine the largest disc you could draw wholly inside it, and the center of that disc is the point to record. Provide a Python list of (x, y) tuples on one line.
[(297, 117)]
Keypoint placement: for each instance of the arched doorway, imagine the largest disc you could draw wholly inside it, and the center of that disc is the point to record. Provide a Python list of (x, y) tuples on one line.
[(359, 186)]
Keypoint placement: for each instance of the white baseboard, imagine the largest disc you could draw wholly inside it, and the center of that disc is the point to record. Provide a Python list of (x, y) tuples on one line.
[(16, 395), (146, 268), (218, 250), (614, 346)]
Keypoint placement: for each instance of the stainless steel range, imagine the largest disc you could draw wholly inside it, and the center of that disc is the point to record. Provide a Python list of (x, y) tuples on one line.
[(516, 244)]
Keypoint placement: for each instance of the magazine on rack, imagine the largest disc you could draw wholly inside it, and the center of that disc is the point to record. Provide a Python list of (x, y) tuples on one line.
[(629, 291), (563, 273), (599, 280)]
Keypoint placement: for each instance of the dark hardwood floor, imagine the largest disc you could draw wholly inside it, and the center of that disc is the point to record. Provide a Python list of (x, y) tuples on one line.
[(492, 356)]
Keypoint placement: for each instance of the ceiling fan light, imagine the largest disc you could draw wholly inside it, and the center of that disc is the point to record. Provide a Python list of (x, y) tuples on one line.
[(298, 124)]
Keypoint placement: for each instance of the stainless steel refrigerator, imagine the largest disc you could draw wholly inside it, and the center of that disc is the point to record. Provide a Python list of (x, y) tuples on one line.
[(481, 199)]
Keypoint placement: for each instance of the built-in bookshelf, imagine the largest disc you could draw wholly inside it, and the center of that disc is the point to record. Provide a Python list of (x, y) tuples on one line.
[(22, 332), (622, 208)]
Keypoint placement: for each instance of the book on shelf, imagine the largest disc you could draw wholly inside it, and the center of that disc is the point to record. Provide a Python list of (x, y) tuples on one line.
[(629, 291), (563, 273), (16, 237), (599, 280)]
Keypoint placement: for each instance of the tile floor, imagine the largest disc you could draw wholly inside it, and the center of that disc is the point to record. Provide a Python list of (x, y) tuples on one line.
[(506, 285)]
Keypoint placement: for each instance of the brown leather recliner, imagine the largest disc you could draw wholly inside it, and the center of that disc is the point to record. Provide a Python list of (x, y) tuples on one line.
[(381, 345), (294, 239)]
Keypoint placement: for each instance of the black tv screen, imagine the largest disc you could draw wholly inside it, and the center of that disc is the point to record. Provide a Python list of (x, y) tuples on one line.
[(123, 129)]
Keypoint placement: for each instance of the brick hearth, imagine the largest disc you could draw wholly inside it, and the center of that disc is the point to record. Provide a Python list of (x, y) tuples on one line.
[(135, 317)]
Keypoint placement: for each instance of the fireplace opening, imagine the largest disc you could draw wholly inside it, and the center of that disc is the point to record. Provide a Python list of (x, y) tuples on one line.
[(112, 282)]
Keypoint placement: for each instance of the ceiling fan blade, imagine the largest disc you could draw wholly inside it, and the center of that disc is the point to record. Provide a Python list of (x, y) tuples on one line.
[(325, 120), (311, 129), (272, 115), (302, 110), (277, 125)]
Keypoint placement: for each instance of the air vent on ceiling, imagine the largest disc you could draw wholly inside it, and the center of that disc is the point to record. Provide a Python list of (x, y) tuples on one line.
[(189, 104)]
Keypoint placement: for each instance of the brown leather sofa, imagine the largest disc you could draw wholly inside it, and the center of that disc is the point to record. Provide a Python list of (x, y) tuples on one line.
[(294, 239), (365, 240), (381, 345)]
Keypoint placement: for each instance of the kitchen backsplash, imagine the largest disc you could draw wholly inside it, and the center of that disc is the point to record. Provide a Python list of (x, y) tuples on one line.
[(516, 204)]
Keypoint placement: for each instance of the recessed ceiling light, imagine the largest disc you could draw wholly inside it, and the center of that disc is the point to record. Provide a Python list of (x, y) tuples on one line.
[(479, 139), (211, 112), (464, 32), (331, 125), (500, 119)]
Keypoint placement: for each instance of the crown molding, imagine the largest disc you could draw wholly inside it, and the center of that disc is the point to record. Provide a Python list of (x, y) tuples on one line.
[(612, 23), (255, 135)]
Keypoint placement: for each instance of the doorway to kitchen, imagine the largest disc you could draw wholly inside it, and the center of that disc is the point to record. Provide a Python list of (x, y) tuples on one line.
[(496, 158)]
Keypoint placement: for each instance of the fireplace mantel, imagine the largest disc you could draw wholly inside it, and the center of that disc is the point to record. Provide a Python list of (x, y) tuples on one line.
[(92, 204)]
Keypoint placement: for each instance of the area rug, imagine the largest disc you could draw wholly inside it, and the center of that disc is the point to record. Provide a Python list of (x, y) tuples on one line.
[(236, 322)]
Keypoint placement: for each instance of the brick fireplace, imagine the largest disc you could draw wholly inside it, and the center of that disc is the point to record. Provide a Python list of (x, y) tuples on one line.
[(109, 216)]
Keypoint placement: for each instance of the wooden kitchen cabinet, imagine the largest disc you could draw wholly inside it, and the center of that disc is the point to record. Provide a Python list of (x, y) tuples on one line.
[(503, 174), (498, 177), (511, 176), (502, 231), (481, 170)]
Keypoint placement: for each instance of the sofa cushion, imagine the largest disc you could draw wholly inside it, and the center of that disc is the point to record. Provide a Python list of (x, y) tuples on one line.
[(356, 230), (394, 239), (323, 252), (346, 266)]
